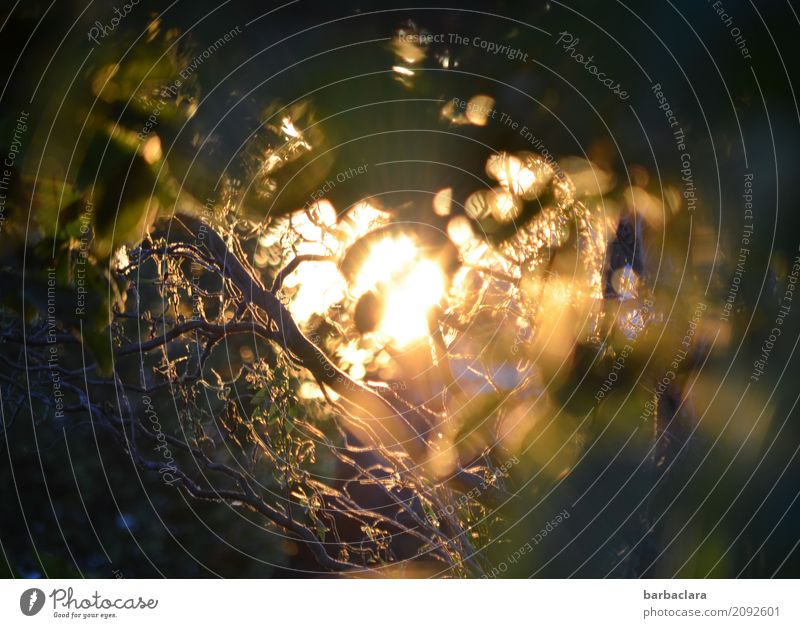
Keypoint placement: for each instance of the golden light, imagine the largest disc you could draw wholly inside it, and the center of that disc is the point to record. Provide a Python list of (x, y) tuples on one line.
[(315, 227), (460, 230), (646, 205), (504, 206), (360, 220), (353, 359), (477, 111), (443, 201), (403, 70), (386, 259), (625, 282), (410, 284), (410, 300), (151, 150), (288, 128), (523, 174), (316, 230), (394, 268), (319, 285), (589, 178)]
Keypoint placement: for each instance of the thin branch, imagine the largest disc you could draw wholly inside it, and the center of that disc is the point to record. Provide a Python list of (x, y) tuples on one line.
[(182, 328), (287, 270)]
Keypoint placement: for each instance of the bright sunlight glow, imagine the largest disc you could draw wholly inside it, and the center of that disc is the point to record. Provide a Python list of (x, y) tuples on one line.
[(411, 287), (409, 301), (394, 268), (386, 259), (319, 286)]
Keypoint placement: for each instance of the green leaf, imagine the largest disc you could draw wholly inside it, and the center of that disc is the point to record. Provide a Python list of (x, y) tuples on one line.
[(123, 186), (259, 397)]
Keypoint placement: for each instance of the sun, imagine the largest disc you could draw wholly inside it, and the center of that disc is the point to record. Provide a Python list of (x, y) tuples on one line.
[(409, 284), (403, 283)]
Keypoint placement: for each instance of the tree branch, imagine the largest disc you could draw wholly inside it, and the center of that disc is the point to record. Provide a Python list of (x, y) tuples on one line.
[(277, 283)]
